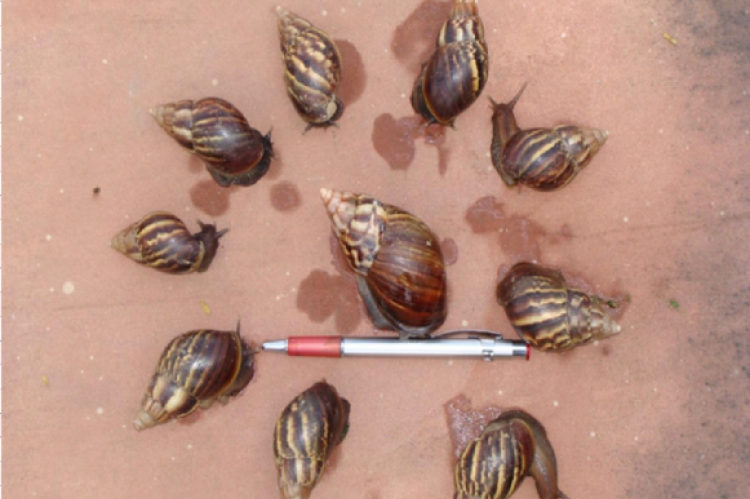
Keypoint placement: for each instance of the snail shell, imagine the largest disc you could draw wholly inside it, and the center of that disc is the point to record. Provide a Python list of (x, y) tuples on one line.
[(512, 447), (545, 159), (196, 369), (218, 133), (307, 432), (455, 75), (312, 69), (397, 262), (548, 314), (161, 241)]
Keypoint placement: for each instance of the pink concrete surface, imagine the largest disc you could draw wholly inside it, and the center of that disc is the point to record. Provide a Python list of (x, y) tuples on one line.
[(661, 214)]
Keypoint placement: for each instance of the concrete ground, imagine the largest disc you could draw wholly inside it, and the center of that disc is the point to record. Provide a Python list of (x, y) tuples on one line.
[(661, 214)]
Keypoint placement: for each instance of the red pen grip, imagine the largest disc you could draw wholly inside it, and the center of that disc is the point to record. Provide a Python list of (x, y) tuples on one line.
[(314, 346)]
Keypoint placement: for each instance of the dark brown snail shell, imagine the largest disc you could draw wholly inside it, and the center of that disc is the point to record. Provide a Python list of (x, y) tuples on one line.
[(454, 77), (548, 314), (307, 432), (161, 241), (196, 369), (512, 447), (312, 70), (218, 133), (545, 159), (397, 262)]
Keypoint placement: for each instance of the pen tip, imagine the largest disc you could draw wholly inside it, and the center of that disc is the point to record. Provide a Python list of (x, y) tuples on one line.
[(274, 346)]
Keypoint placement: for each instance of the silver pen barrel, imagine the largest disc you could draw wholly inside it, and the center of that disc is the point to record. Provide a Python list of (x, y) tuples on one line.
[(487, 348)]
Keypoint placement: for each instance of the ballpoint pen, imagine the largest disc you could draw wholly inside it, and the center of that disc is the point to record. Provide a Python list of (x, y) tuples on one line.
[(484, 344)]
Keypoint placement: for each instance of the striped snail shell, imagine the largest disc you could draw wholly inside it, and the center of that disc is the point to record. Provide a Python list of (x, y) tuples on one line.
[(218, 133), (544, 159), (307, 432), (548, 314), (397, 261), (161, 241), (196, 369), (312, 70), (455, 75), (512, 447)]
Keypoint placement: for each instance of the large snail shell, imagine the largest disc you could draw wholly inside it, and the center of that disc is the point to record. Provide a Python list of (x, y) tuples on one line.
[(312, 69), (307, 432), (455, 75), (218, 133), (511, 447), (161, 241), (541, 158), (548, 314), (196, 369), (399, 267)]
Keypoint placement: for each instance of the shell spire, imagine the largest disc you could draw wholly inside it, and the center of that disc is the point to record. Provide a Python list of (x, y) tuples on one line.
[(547, 313), (161, 240), (219, 134), (306, 434), (358, 222), (400, 271), (196, 369), (312, 69), (456, 73), (545, 159)]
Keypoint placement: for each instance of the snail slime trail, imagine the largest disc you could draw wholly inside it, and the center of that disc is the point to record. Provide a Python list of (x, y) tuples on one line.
[(209, 198), (519, 237), (464, 423), (395, 140), (450, 250), (285, 196), (414, 39), (322, 295), (353, 74)]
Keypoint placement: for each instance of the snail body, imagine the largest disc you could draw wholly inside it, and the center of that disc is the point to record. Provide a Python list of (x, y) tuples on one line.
[(196, 369), (312, 69), (307, 432), (547, 313), (162, 241), (544, 159), (217, 132), (397, 261), (512, 447), (456, 73)]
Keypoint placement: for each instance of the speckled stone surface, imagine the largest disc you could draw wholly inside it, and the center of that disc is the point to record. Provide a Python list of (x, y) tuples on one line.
[(661, 214)]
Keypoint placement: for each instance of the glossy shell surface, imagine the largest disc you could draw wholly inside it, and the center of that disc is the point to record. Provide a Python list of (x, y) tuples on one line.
[(397, 259), (194, 370)]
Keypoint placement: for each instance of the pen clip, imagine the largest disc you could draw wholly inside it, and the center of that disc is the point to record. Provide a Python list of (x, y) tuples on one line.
[(471, 334)]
